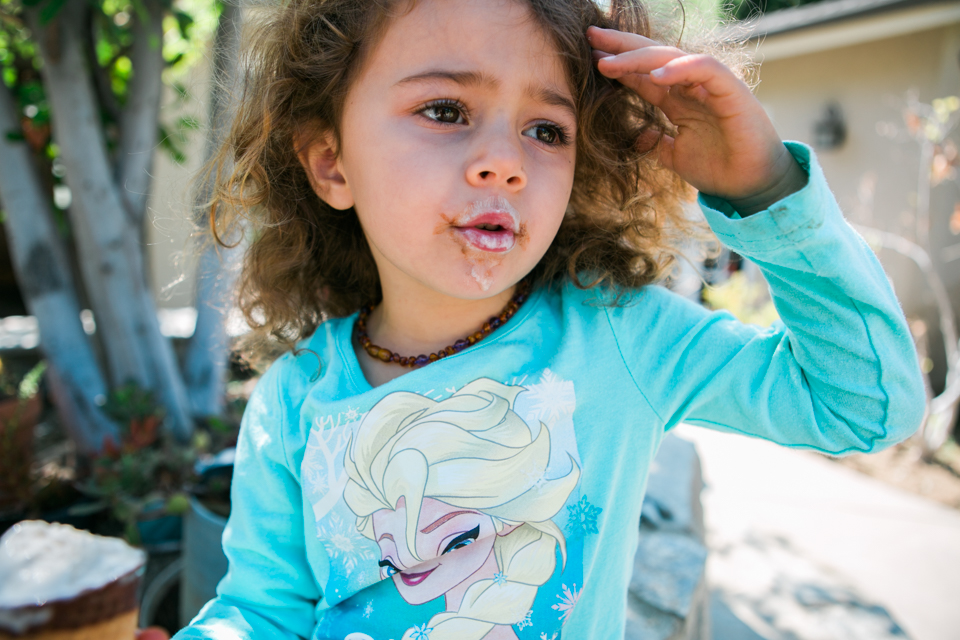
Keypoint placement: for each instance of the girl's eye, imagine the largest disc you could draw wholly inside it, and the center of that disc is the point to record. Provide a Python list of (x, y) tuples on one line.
[(549, 134), (462, 540), (445, 113)]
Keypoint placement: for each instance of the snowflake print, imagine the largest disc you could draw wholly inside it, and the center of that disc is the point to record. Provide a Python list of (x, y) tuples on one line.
[(567, 602), (582, 517), (543, 636), (314, 471), (351, 414), (344, 544), (422, 632), (526, 622), (499, 578), (552, 397)]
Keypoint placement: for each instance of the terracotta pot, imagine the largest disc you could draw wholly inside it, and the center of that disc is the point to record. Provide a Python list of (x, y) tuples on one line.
[(16, 449)]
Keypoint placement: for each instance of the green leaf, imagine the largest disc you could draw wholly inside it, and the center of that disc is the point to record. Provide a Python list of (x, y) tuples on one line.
[(178, 504), (31, 382), (15, 136), (184, 22), (50, 11), (188, 122)]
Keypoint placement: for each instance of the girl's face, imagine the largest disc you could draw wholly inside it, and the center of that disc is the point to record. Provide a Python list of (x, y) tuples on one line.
[(441, 529), (457, 148)]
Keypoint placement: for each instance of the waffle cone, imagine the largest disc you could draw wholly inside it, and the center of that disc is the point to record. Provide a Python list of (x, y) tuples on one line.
[(121, 627)]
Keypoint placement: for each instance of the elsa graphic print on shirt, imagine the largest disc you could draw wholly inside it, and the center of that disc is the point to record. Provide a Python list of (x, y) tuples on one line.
[(454, 516)]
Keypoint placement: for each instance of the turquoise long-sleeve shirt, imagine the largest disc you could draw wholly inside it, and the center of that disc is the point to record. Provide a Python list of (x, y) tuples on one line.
[(497, 492)]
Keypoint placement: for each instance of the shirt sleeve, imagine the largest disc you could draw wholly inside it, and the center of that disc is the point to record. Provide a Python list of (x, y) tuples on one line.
[(269, 590), (838, 373)]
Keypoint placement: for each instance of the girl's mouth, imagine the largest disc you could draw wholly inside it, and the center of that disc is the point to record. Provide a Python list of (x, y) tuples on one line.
[(413, 579), (488, 226)]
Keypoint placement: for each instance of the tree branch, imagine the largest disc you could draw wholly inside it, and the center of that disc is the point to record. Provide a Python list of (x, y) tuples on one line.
[(138, 124), (41, 266), (108, 101)]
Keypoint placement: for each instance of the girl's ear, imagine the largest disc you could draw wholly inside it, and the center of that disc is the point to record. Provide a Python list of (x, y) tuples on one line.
[(322, 164)]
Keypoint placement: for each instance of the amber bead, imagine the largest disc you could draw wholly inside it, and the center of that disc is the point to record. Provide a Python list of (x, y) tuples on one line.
[(385, 355)]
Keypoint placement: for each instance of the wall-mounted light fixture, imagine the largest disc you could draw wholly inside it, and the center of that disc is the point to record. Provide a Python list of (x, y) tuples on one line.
[(829, 130)]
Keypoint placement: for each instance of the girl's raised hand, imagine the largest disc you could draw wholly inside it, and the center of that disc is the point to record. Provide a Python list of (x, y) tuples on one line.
[(725, 145)]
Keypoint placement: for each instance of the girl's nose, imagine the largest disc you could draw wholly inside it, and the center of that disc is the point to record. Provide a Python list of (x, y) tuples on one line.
[(498, 162)]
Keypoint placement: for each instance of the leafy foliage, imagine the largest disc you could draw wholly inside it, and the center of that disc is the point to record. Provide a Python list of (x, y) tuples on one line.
[(744, 9), (148, 471), (110, 35), (749, 301)]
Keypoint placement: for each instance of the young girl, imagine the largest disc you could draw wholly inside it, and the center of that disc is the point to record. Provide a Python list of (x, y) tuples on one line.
[(460, 207)]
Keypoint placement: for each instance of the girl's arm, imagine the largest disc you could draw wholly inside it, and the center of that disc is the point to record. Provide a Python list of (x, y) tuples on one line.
[(840, 374), (269, 590)]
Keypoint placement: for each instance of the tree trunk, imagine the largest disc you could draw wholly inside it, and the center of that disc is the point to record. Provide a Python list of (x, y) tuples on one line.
[(107, 236), (41, 266), (138, 120), (205, 368)]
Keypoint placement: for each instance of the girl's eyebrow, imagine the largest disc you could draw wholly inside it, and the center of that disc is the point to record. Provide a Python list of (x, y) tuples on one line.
[(544, 94), (443, 519), (554, 98), (465, 78)]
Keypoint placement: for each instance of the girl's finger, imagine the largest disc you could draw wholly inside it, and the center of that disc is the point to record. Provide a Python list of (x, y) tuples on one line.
[(711, 74), (642, 60), (645, 88), (665, 152), (616, 41)]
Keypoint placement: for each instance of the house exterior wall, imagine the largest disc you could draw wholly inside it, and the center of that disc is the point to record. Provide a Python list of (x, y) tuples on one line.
[(172, 253), (875, 177)]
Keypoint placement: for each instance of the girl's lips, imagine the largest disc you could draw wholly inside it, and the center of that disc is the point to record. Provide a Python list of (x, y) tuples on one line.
[(493, 231), (494, 241), (413, 579)]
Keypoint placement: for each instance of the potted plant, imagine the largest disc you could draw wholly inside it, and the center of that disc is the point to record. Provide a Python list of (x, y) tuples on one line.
[(143, 479)]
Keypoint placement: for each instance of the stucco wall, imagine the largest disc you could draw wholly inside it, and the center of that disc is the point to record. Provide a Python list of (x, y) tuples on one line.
[(172, 256)]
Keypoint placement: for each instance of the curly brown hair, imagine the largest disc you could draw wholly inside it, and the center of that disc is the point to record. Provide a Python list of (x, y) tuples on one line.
[(307, 261)]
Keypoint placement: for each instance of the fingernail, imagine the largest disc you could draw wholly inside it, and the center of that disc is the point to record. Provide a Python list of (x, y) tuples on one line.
[(658, 73)]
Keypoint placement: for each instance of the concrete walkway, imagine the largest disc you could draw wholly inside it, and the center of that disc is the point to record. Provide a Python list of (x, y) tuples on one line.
[(804, 549)]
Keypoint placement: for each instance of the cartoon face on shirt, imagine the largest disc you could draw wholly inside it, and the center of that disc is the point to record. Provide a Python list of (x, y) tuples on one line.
[(441, 530), (454, 494)]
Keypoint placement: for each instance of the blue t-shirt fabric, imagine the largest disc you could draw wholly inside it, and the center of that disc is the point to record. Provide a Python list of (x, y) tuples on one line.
[(497, 492)]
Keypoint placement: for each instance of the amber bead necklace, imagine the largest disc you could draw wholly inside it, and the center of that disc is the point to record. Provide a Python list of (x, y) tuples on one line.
[(414, 362)]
